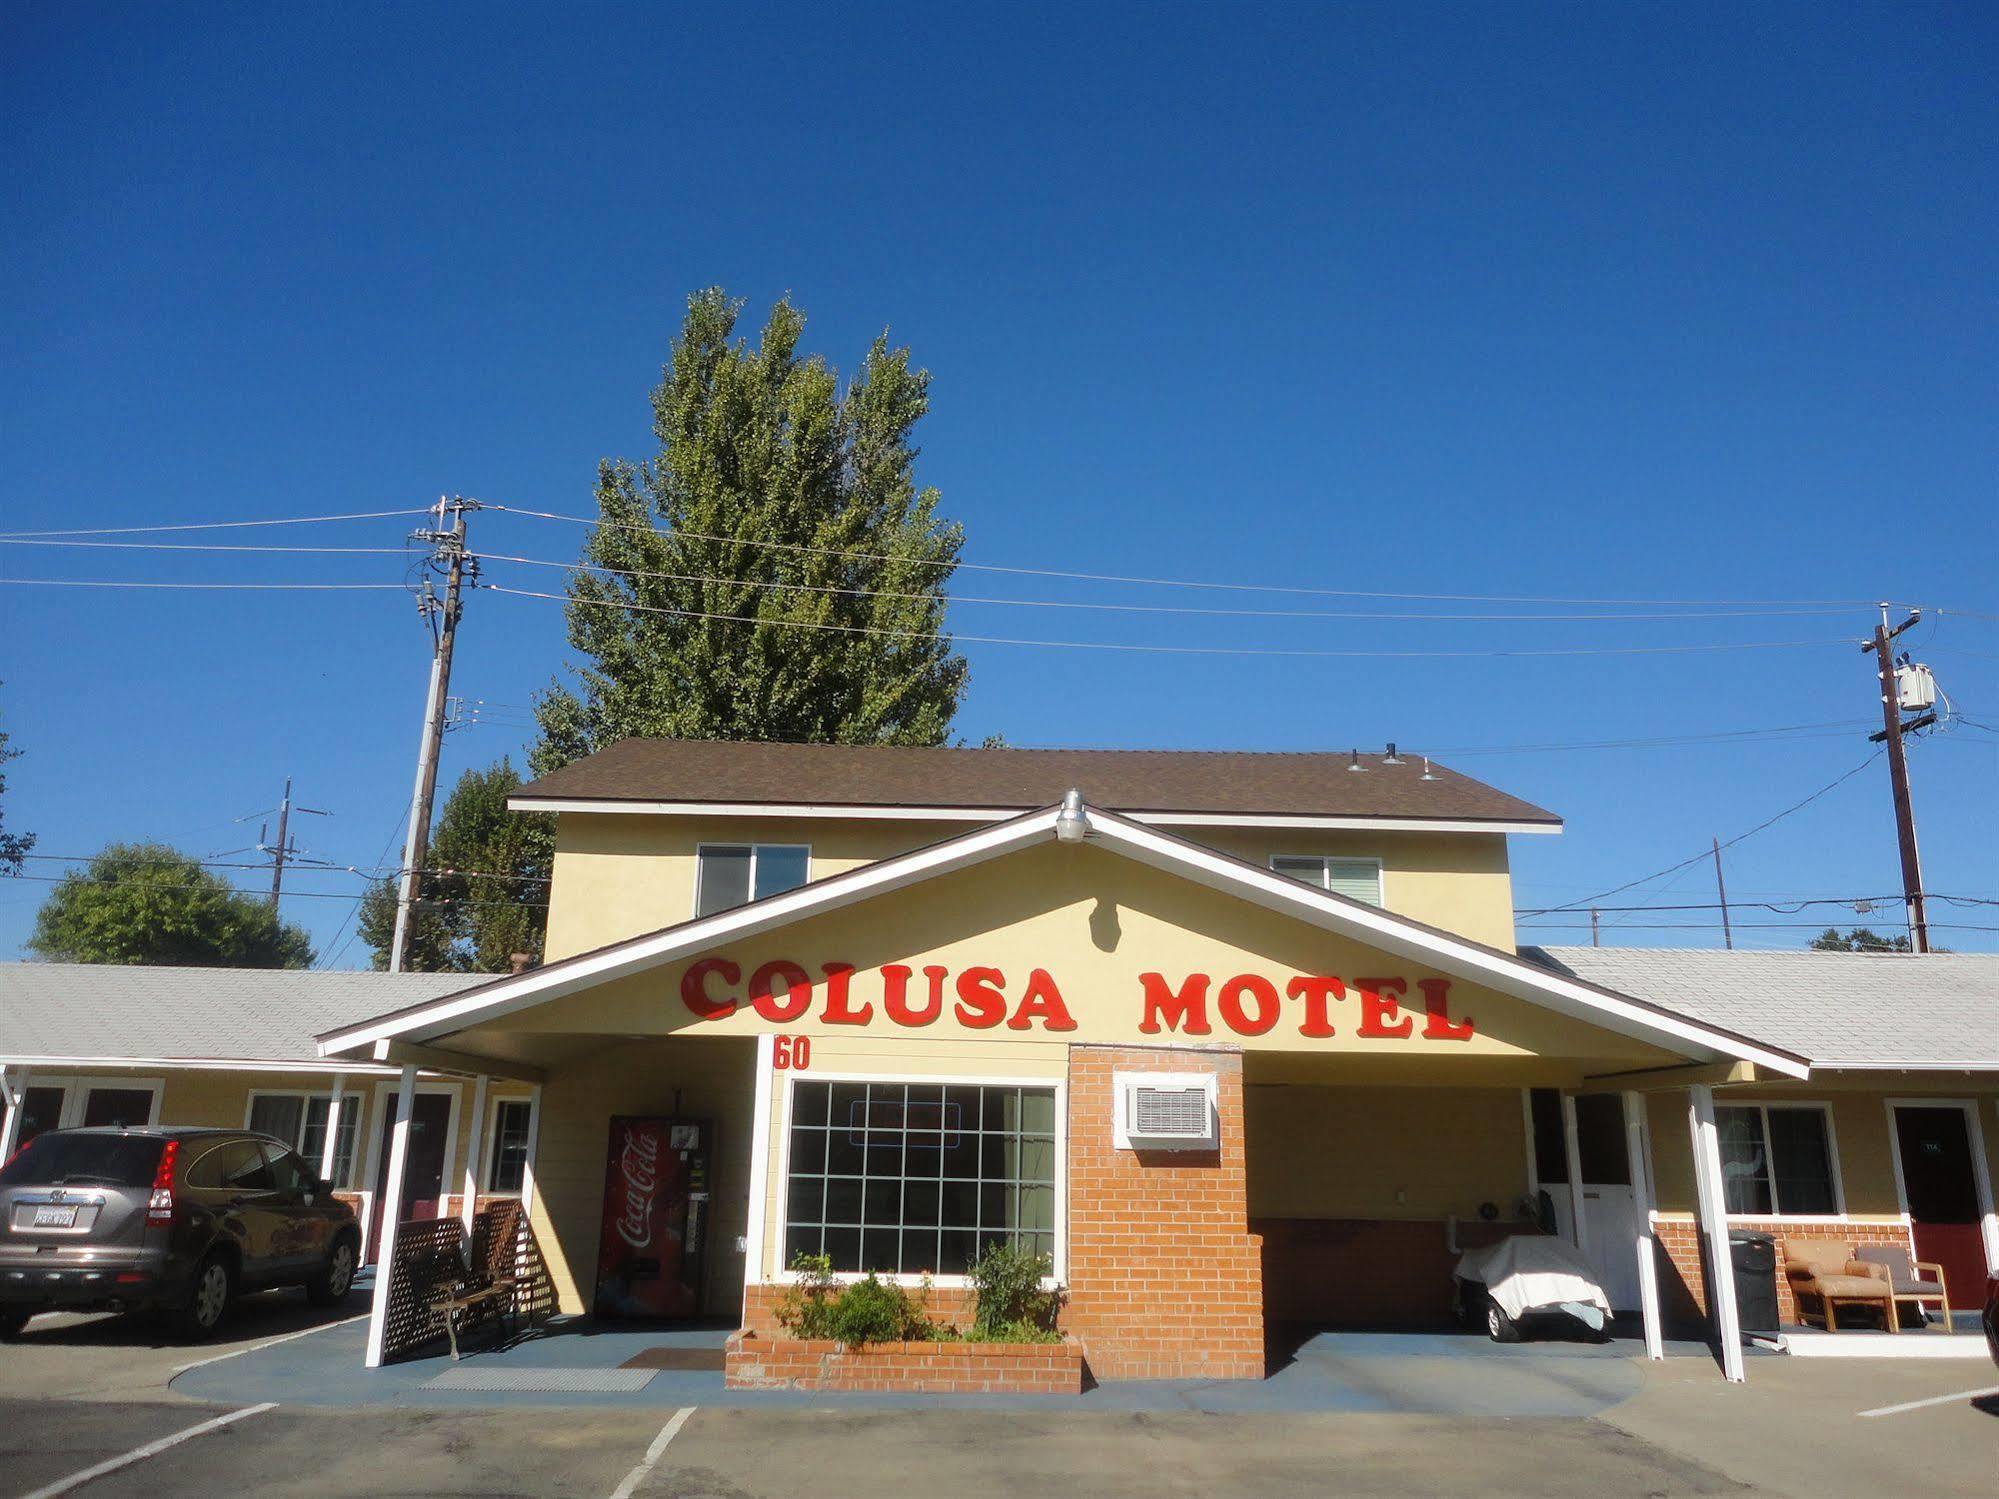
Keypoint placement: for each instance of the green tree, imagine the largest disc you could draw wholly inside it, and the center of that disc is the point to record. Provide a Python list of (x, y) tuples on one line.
[(484, 893), (779, 576), (13, 846), (1859, 939), (148, 903)]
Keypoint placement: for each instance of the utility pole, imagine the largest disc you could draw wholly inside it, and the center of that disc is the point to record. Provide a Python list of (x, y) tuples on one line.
[(1892, 729), (1721, 890), (1594, 940), (278, 850), (448, 551)]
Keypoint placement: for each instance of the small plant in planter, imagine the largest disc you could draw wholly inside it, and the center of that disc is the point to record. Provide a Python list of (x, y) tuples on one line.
[(867, 1311), (1012, 1306)]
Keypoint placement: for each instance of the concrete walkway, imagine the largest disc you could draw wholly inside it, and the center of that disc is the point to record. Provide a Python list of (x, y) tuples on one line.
[(1373, 1373)]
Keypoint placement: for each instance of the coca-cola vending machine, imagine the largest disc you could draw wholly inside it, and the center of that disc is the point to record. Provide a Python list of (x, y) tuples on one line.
[(655, 1217)]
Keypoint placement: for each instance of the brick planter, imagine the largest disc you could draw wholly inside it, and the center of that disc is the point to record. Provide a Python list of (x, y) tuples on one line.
[(751, 1362)]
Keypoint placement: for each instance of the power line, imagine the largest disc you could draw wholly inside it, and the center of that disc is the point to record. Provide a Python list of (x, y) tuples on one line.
[(1730, 843), (212, 525), (92, 879), (1779, 907), (259, 587), (199, 546), (1708, 926), (1089, 577), (1175, 650), (1795, 731), (962, 598)]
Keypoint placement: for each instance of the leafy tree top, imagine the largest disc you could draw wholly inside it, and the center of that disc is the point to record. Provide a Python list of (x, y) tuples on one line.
[(1859, 939), (773, 573), (13, 846), (148, 903)]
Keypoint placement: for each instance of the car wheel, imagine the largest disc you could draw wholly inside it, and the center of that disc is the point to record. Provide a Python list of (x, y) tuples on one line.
[(209, 1301), (1502, 1327), (12, 1320), (336, 1277)]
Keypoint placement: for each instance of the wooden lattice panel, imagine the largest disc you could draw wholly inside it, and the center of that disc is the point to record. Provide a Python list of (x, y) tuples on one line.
[(429, 1261)]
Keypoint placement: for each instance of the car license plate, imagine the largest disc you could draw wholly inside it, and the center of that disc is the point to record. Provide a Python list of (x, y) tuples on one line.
[(55, 1217)]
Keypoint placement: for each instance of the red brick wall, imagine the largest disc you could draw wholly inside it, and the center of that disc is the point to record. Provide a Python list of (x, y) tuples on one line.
[(1165, 1275), (1682, 1289), (756, 1363), (1366, 1272)]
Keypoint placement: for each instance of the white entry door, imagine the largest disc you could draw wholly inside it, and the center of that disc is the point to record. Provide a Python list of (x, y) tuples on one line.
[(1610, 1213)]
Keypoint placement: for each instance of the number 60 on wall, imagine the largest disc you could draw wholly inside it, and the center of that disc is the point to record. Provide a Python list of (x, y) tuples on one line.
[(790, 1053)]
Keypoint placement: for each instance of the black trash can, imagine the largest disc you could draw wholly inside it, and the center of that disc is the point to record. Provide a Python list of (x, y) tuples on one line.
[(1755, 1259)]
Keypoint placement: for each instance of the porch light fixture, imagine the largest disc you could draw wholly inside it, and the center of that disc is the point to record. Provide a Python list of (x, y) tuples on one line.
[(1072, 824)]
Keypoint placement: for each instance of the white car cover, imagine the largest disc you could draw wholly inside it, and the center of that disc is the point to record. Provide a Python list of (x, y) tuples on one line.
[(1536, 1272)]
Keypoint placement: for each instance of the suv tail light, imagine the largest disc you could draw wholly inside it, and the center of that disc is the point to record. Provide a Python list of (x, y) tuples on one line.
[(160, 1206)]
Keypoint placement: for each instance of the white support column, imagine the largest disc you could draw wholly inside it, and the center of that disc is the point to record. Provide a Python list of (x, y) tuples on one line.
[(15, 1088), (753, 1234), (1578, 1218), (1641, 1192), (333, 1108), (389, 1211), (534, 1146), (1713, 1203), (474, 1134)]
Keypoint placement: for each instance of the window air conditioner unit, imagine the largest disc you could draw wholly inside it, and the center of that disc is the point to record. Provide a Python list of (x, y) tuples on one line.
[(1165, 1111)]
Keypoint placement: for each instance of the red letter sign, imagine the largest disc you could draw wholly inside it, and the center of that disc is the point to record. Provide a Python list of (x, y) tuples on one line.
[(838, 1011), (981, 1004), (694, 987), (1437, 1005), (1239, 1020), (1185, 1011), (1043, 1002), (797, 991), (1379, 1010), (1318, 991)]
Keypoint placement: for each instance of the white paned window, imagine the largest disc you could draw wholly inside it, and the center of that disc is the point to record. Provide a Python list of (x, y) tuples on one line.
[(915, 1178), (513, 1118), (1357, 879), (299, 1120), (733, 874), (1777, 1160)]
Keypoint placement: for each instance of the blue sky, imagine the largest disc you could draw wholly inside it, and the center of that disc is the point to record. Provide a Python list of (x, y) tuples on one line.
[(1576, 302)]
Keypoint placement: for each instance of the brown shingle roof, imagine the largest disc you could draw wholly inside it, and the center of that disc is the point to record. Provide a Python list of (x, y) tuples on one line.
[(1010, 780)]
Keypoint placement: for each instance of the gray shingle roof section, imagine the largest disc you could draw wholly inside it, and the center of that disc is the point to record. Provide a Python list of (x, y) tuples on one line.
[(241, 1014), (1837, 1009)]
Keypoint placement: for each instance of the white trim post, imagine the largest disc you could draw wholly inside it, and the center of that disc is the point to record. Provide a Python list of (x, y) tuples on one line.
[(534, 1147), (1641, 1191), (753, 1232), (15, 1089), (1713, 1202), (474, 1133), (327, 1149), (389, 1209), (1572, 1147)]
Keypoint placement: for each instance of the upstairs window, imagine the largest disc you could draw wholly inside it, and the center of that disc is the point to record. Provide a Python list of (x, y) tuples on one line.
[(733, 874), (1776, 1160), (1357, 879)]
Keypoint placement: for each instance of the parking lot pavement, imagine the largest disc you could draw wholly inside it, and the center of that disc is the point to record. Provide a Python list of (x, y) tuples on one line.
[(108, 1356)]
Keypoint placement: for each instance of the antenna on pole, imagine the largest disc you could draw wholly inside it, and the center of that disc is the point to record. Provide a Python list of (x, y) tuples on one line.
[(1893, 727), (1721, 893)]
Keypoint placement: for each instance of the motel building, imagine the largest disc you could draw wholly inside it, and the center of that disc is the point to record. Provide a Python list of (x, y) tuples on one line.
[(1241, 1041)]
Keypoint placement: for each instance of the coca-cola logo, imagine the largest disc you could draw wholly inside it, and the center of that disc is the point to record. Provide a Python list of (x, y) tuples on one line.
[(638, 1165)]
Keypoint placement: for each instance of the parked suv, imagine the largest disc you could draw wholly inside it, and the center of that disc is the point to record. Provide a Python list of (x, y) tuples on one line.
[(177, 1219)]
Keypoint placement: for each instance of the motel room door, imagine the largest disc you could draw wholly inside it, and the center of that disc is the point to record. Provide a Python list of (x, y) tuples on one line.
[(1610, 1206), (1940, 1191), (423, 1170)]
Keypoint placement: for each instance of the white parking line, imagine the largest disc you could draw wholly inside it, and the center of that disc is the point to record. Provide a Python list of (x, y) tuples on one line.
[(303, 1332), (140, 1454), (637, 1476), (1916, 1405)]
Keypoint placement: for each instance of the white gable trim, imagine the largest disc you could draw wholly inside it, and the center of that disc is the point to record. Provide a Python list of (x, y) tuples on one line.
[(990, 814), (1397, 934)]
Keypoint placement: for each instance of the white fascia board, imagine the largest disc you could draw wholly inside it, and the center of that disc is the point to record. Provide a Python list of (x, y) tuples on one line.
[(505, 996), (194, 1064), (1501, 971), (1990, 1064), (811, 810)]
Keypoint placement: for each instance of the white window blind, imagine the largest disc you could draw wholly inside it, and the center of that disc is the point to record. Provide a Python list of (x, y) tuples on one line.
[(1357, 879)]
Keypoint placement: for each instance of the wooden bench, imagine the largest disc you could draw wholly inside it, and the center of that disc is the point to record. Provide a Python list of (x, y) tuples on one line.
[(467, 1296), (487, 1280)]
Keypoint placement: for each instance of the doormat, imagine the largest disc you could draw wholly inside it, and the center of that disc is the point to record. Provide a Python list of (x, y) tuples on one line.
[(544, 1381), (675, 1358)]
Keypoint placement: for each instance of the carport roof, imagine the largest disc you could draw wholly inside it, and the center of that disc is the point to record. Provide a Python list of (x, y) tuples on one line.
[(105, 1012), (1857, 1010)]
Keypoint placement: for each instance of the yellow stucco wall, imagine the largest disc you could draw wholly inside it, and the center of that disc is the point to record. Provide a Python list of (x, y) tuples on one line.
[(1094, 921), (616, 876), (1862, 1137), (1364, 1152)]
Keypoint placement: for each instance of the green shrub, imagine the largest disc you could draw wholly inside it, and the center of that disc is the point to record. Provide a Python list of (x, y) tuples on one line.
[(868, 1311), (1012, 1306)]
